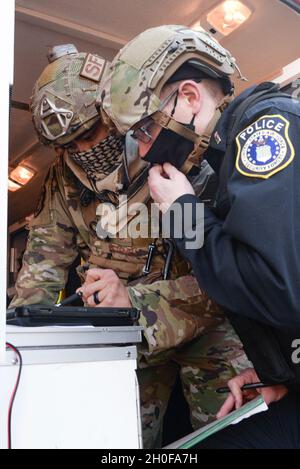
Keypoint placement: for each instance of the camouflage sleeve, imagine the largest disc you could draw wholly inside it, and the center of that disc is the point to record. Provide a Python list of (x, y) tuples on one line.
[(51, 249), (173, 312)]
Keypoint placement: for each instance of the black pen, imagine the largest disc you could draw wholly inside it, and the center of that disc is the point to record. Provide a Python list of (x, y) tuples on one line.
[(70, 299), (245, 387)]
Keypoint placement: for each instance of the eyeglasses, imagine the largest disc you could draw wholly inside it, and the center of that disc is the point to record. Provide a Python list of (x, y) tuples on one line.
[(143, 133)]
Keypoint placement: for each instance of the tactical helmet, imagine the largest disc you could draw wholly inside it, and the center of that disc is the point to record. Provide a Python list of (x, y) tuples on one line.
[(131, 89), (63, 101)]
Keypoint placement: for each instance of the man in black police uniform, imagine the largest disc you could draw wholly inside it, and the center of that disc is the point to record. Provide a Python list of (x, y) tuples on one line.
[(250, 260)]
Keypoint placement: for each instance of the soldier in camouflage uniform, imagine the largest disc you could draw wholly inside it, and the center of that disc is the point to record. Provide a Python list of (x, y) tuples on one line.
[(183, 330)]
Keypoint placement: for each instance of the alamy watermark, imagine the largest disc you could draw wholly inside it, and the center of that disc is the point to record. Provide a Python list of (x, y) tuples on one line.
[(139, 220), (296, 352)]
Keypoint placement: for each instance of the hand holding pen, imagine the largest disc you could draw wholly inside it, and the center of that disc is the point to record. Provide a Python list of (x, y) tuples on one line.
[(259, 385), (246, 386)]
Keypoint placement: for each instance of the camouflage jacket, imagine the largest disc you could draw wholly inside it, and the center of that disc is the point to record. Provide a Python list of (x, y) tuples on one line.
[(173, 311)]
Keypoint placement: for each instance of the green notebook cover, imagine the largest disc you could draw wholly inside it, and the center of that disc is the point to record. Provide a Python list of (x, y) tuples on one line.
[(196, 437)]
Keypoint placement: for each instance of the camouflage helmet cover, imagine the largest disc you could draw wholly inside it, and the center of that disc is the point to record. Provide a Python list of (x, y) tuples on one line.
[(63, 100), (131, 89)]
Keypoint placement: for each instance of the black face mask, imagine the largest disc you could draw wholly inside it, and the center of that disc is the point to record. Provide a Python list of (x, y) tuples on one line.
[(170, 147)]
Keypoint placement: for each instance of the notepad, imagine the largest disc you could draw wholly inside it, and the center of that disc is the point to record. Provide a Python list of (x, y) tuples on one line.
[(253, 407)]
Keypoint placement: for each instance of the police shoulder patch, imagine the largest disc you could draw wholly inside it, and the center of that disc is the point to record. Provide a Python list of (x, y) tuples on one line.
[(264, 147)]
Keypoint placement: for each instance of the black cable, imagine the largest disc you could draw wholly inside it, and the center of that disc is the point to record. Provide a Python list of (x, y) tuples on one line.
[(12, 347)]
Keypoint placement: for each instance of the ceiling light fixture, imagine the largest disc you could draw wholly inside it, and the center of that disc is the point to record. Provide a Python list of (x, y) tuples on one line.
[(13, 186), (21, 174), (228, 16)]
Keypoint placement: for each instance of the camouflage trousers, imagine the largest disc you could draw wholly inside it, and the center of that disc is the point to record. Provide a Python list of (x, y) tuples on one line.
[(204, 364)]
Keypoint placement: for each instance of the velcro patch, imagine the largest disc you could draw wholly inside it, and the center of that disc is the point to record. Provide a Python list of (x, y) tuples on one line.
[(264, 147), (93, 67)]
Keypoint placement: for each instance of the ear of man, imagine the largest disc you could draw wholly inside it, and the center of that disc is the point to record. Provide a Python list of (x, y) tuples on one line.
[(190, 91)]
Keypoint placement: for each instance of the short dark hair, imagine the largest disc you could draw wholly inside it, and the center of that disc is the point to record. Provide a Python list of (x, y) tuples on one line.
[(189, 71)]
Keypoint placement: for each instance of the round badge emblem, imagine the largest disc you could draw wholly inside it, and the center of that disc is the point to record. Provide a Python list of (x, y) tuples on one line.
[(264, 151)]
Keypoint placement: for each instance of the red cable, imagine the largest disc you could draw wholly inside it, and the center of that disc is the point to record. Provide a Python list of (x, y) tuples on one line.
[(11, 403)]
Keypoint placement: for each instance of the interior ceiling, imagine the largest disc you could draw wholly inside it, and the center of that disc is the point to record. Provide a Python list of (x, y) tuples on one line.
[(262, 46)]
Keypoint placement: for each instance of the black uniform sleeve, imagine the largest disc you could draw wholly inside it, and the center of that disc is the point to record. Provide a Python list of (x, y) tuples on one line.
[(250, 261)]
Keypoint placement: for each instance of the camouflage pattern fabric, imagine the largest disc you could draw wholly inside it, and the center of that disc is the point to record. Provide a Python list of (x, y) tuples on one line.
[(204, 364), (130, 91), (173, 312), (63, 98)]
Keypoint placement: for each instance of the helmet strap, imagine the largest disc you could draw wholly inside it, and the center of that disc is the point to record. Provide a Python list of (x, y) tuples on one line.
[(201, 141)]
